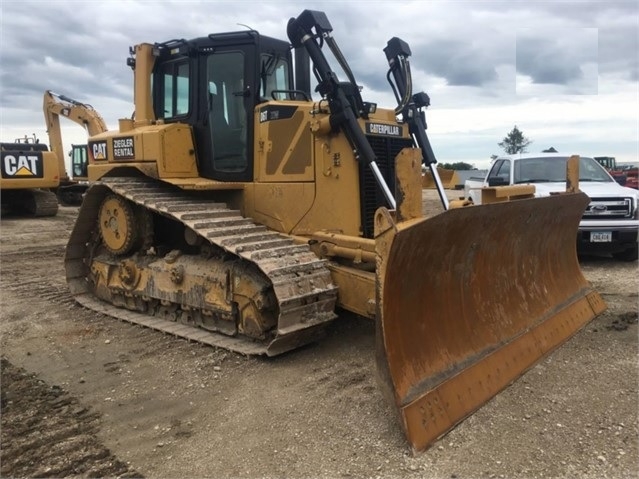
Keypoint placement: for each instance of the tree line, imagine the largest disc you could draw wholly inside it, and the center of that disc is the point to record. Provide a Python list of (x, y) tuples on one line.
[(513, 143)]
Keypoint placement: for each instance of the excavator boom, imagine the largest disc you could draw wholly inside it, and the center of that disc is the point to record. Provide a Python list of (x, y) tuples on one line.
[(55, 106)]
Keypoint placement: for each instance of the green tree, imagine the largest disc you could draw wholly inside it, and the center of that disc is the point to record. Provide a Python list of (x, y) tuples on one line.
[(515, 142)]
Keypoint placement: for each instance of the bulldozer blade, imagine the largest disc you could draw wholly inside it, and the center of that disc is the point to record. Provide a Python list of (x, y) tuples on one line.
[(470, 299)]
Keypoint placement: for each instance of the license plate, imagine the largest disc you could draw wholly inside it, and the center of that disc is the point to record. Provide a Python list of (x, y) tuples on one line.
[(600, 236)]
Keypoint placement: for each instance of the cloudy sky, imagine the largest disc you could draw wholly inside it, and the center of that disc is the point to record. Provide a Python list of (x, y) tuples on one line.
[(565, 73)]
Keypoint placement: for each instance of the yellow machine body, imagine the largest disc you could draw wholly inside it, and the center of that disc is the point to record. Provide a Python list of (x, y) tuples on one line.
[(464, 302), (29, 171)]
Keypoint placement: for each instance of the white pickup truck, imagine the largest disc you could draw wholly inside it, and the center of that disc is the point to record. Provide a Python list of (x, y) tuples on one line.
[(610, 223)]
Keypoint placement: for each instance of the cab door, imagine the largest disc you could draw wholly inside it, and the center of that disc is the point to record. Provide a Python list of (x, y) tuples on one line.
[(210, 88), (228, 114)]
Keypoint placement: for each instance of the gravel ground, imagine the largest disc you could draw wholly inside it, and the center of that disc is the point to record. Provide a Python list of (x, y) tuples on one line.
[(84, 395)]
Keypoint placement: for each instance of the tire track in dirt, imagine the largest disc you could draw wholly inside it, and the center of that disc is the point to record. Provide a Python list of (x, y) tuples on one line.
[(48, 433), (33, 285), (53, 293)]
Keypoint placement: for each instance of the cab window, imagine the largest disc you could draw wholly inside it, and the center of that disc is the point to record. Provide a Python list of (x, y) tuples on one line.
[(176, 87), (274, 75), (226, 110)]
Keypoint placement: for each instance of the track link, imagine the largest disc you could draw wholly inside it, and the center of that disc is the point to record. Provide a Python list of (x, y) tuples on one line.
[(301, 282)]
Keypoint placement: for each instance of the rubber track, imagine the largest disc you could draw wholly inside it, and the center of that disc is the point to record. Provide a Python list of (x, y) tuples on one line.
[(301, 282)]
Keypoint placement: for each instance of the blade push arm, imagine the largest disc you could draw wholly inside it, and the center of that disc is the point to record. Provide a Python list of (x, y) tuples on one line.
[(410, 106), (344, 99)]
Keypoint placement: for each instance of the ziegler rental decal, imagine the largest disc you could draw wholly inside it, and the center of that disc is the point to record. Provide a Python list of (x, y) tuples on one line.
[(383, 129), (123, 148), (22, 165)]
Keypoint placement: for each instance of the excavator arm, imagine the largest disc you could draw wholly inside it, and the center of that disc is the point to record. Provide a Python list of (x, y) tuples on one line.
[(54, 106)]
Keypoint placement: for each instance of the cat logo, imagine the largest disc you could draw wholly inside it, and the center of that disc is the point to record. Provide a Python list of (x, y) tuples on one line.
[(98, 150), (277, 112), (384, 129), (20, 165)]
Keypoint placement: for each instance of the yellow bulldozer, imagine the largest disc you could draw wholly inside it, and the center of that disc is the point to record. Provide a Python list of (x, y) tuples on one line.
[(235, 210), (29, 173)]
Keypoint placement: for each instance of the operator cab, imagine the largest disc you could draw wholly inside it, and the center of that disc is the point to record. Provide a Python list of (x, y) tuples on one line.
[(214, 84), (79, 161)]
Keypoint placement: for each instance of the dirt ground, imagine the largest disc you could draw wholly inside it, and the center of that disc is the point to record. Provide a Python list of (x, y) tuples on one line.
[(89, 396)]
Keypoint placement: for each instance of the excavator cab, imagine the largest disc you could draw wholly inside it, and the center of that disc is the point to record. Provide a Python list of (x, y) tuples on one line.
[(234, 210), (79, 162)]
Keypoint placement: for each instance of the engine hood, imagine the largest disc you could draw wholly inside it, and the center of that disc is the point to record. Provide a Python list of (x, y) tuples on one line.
[(592, 189)]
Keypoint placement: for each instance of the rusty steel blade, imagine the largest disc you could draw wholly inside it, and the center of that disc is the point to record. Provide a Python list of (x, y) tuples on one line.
[(470, 299)]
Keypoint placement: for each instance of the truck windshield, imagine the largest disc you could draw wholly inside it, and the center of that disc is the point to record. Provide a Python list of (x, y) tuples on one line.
[(553, 169)]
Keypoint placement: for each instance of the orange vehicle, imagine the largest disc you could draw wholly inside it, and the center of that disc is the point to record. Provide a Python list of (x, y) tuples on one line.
[(625, 176), (235, 210), (632, 176)]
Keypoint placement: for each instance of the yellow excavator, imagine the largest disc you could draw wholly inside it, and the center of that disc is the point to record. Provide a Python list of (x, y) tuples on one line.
[(54, 106), (235, 210), (29, 173)]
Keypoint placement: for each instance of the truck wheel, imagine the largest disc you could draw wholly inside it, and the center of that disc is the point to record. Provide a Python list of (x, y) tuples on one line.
[(630, 254)]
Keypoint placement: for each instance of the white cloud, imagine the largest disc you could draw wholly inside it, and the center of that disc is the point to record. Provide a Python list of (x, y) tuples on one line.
[(470, 44)]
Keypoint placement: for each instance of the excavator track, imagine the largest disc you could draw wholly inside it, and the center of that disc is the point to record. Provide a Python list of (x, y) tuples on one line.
[(45, 203), (29, 202), (300, 281)]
